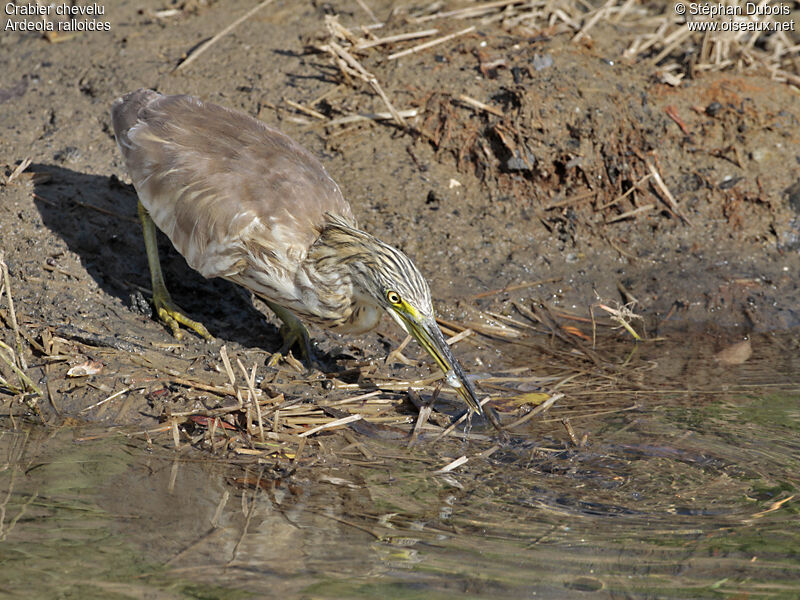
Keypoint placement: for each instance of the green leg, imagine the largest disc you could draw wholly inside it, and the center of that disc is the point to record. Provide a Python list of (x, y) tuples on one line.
[(166, 309), (293, 332)]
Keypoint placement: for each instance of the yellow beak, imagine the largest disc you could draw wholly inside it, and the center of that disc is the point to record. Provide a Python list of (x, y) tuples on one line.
[(430, 337)]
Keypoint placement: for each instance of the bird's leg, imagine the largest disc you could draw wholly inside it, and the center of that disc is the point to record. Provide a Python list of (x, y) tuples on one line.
[(293, 332), (166, 309)]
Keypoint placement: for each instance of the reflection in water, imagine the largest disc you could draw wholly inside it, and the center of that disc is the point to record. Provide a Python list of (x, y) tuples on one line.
[(685, 495)]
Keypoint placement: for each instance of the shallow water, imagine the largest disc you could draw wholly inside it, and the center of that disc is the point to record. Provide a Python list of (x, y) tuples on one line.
[(684, 493)]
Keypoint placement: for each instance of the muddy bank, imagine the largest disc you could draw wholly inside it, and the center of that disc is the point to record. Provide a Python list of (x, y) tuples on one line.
[(535, 164)]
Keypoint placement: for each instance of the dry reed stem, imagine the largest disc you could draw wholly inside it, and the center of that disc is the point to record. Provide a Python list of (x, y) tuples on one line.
[(381, 116), (452, 465), (598, 14), (422, 418), (631, 213), (213, 40), (669, 199), (251, 394), (331, 424), (463, 418), (11, 361), (397, 352), (431, 43), (216, 389), (634, 187), (6, 286), (538, 410), (466, 13), (367, 10), (352, 399), (391, 39), (495, 331), (24, 164), (773, 51), (481, 105), (176, 435), (111, 397), (309, 111), (223, 354), (514, 287), (424, 413), (355, 68), (459, 336)]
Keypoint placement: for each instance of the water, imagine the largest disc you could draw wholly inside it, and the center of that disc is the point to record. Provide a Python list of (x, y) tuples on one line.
[(682, 492)]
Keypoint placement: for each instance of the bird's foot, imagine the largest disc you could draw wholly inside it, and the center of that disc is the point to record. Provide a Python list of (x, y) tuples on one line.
[(173, 317), (294, 333)]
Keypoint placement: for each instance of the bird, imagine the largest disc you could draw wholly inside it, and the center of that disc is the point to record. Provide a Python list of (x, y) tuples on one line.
[(242, 201)]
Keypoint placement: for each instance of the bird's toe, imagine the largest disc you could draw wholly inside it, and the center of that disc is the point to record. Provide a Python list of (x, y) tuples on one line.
[(173, 317)]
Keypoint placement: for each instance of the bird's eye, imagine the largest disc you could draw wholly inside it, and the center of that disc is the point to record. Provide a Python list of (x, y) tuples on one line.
[(393, 297)]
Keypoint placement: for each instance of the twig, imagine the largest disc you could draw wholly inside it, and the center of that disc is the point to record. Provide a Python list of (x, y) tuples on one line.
[(24, 164), (480, 105), (668, 197), (391, 39), (362, 73), (634, 187), (463, 417), (539, 409), (6, 285), (336, 423), (10, 361), (251, 394), (367, 10), (111, 397), (452, 465), (459, 336), (574, 200), (305, 109), (631, 213), (432, 43), (381, 116), (513, 288), (206, 45), (424, 412), (463, 13), (570, 432)]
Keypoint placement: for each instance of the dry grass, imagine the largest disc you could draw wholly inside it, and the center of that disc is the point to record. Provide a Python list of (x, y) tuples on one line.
[(491, 130), (254, 424), (14, 381), (658, 36)]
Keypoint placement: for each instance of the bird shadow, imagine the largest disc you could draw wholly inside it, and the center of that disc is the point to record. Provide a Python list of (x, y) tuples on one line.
[(96, 216)]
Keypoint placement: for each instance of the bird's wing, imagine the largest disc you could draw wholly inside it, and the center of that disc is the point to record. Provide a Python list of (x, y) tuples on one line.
[(221, 184)]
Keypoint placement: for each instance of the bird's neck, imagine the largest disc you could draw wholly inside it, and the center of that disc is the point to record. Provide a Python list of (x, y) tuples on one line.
[(337, 266)]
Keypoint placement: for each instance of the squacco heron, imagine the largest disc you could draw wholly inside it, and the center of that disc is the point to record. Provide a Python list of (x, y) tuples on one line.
[(242, 201)]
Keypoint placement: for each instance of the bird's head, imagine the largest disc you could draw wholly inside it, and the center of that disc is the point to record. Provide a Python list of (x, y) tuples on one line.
[(412, 309), (386, 277)]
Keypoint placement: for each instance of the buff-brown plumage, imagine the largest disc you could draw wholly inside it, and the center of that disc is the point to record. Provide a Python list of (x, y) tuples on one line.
[(242, 201), (232, 193)]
